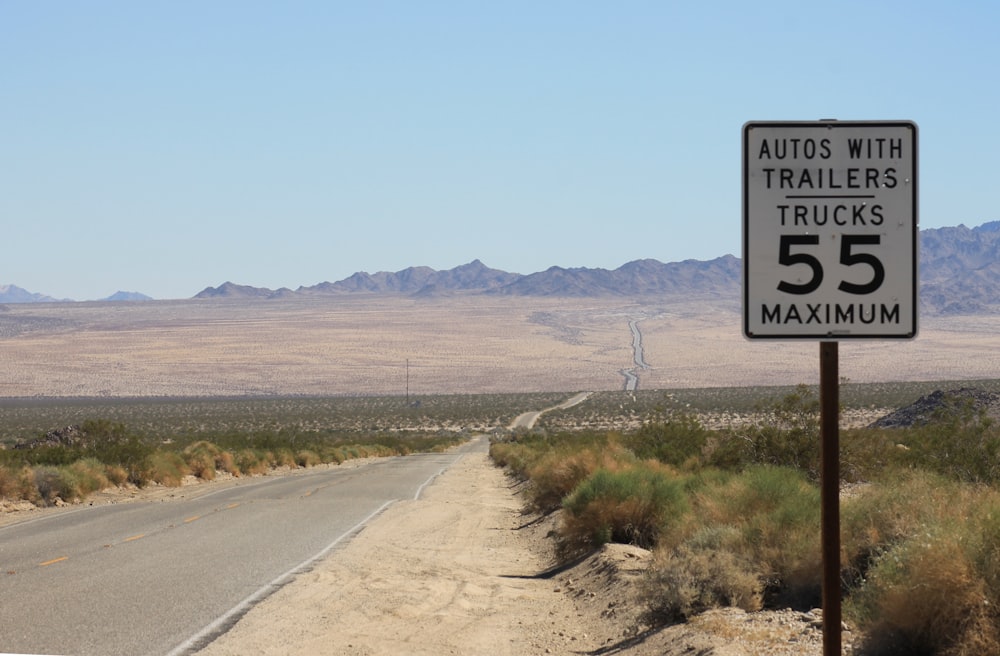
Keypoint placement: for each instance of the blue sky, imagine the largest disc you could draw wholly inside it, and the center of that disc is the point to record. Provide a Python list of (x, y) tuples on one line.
[(162, 147)]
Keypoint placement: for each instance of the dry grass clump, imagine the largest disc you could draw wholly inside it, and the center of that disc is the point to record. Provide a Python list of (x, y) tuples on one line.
[(705, 572), (283, 458), (18, 482), (927, 598), (558, 473), (751, 539), (923, 558), (554, 465), (308, 458), (251, 462), (203, 459)]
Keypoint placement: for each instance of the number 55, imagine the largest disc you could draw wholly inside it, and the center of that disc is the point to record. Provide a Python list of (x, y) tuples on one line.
[(847, 257)]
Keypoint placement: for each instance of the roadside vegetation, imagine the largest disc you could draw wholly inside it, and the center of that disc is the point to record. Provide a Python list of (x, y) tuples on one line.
[(55, 451), (732, 515), (67, 465)]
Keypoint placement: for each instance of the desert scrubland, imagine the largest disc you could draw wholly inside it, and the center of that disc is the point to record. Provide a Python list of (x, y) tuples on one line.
[(361, 344), (335, 367)]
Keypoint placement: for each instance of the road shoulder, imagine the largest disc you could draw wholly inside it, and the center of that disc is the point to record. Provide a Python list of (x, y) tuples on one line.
[(457, 571)]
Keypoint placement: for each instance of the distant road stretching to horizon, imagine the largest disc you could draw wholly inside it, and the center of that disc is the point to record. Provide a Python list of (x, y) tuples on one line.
[(638, 357)]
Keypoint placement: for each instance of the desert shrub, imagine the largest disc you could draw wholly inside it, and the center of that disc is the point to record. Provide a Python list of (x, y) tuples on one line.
[(926, 597), (786, 434), (557, 473), (900, 505), (675, 441), (252, 462), (307, 458), (116, 474), (959, 442), (113, 445), (632, 506), (166, 468), (202, 459), (777, 513), (283, 457), (867, 453), (334, 455), (91, 475), (18, 482), (923, 565), (226, 462), (57, 483), (705, 572), (515, 456), (520, 454)]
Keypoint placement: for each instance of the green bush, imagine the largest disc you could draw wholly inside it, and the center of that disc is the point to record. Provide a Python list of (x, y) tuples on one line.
[(631, 506), (252, 462), (116, 474), (166, 468), (961, 443), (91, 476), (679, 440), (786, 434), (777, 510), (57, 483), (770, 517)]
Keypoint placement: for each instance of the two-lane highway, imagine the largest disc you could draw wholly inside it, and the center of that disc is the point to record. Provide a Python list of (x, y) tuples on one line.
[(162, 578)]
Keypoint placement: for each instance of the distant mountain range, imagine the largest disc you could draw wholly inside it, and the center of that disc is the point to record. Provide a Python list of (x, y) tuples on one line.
[(721, 275), (959, 274), (14, 294)]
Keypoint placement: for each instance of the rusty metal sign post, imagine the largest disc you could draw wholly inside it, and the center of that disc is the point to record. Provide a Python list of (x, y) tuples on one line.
[(829, 436), (830, 253)]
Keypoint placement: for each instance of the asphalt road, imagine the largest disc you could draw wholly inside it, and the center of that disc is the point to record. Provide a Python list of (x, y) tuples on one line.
[(163, 578), (527, 420)]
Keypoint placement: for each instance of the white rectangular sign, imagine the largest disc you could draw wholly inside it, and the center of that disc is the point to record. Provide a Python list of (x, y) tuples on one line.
[(830, 229)]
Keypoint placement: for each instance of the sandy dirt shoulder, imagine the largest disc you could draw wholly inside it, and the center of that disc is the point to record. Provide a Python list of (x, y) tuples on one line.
[(453, 572), (462, 571)]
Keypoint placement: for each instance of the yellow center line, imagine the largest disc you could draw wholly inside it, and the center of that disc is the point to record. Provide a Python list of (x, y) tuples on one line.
[(231, 506), (134, 537), (53, 561), (191, 519)]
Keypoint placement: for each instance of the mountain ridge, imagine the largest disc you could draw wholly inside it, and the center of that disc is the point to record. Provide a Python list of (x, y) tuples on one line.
[(959, 271)]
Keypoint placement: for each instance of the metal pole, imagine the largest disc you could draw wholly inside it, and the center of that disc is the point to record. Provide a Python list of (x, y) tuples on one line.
[(829, 391)]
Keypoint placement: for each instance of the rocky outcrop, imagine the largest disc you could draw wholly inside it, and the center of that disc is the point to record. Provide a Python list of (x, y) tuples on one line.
[(941, 404)]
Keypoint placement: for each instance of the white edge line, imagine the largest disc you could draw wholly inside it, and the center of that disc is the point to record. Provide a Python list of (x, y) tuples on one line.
[(430, 480), (204, 637)]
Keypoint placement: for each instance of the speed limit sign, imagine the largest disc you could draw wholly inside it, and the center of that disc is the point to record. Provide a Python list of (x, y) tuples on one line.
[(830, 229)]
